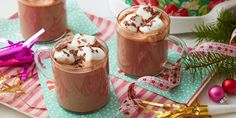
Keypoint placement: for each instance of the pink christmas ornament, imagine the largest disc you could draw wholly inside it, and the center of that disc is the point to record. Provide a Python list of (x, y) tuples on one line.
[(217, 94)]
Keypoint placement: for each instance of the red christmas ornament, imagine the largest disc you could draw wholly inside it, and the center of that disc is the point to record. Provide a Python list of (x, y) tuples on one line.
[(229, 86)]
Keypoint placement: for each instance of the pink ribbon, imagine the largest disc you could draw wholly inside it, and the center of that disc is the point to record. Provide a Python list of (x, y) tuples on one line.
[(219, 48)]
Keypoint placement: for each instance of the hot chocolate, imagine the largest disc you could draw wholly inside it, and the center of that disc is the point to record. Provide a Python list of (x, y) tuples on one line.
[(47, 14), (141, 33), (80, 68)]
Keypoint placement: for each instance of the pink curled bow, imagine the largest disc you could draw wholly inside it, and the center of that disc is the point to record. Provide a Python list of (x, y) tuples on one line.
[(19, 54)]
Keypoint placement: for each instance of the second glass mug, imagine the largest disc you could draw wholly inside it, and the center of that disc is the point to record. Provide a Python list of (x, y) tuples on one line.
[(81, 90), (47, 14), (144, 54)]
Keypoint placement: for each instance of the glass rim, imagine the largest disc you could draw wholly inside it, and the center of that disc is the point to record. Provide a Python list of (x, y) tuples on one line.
[(45, 5), (137, 6), (68, 67)]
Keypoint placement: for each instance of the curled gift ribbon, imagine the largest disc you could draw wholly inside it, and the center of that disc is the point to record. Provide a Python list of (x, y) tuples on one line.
[(220, 48), (173, 75), (21, 55), (177, 110)]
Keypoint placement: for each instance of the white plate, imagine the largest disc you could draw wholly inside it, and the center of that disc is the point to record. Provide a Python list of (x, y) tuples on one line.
[(111, 8)]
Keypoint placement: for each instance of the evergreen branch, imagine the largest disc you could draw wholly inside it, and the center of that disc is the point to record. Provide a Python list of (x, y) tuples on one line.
[(219, 31), (200, 62)]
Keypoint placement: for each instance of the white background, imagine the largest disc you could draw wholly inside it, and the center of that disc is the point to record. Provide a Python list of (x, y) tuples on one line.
[(9, 7)]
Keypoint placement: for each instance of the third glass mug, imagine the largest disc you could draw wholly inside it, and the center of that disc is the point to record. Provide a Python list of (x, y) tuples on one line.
[(48, 14), (142, 54)]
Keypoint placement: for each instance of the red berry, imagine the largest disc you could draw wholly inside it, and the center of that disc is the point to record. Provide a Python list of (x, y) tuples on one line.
[(182, 12), (171, 9), (213, 3)]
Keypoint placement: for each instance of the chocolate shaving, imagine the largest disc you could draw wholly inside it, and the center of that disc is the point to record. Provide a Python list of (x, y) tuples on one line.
[(67, 54), (78, 66), (61, 46), (74, 52), (79, 41), (150, 9), (133, 17), (79, 61), (126, 23), (91, 48), (84, 40), (96, 51), (133, 24), (88, 45), (80, 48), (84, 54)]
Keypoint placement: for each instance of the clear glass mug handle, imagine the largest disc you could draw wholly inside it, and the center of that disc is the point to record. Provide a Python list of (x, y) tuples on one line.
[(179, 44), (43, 62)]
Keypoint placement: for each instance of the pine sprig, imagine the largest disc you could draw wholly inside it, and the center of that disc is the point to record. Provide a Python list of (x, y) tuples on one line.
[(199, 62), (219, 31)]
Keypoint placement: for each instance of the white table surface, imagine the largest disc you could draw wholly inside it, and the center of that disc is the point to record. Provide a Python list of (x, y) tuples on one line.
[(9, 7)]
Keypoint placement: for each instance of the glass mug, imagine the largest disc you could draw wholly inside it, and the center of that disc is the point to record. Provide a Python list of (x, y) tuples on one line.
[(142, 54), (47, 14), (77, 89)]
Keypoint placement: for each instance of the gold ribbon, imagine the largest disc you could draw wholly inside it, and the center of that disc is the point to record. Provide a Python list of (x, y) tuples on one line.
[(177, 110), (15, 88), (10, 88)]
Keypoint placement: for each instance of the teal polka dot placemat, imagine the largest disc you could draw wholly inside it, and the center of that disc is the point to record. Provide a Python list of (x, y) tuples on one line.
[(181, 94), (54, 109), (78, 23)]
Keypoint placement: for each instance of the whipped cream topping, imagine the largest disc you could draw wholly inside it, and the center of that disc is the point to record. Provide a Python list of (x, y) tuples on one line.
[(145, 20), (82, 49)]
